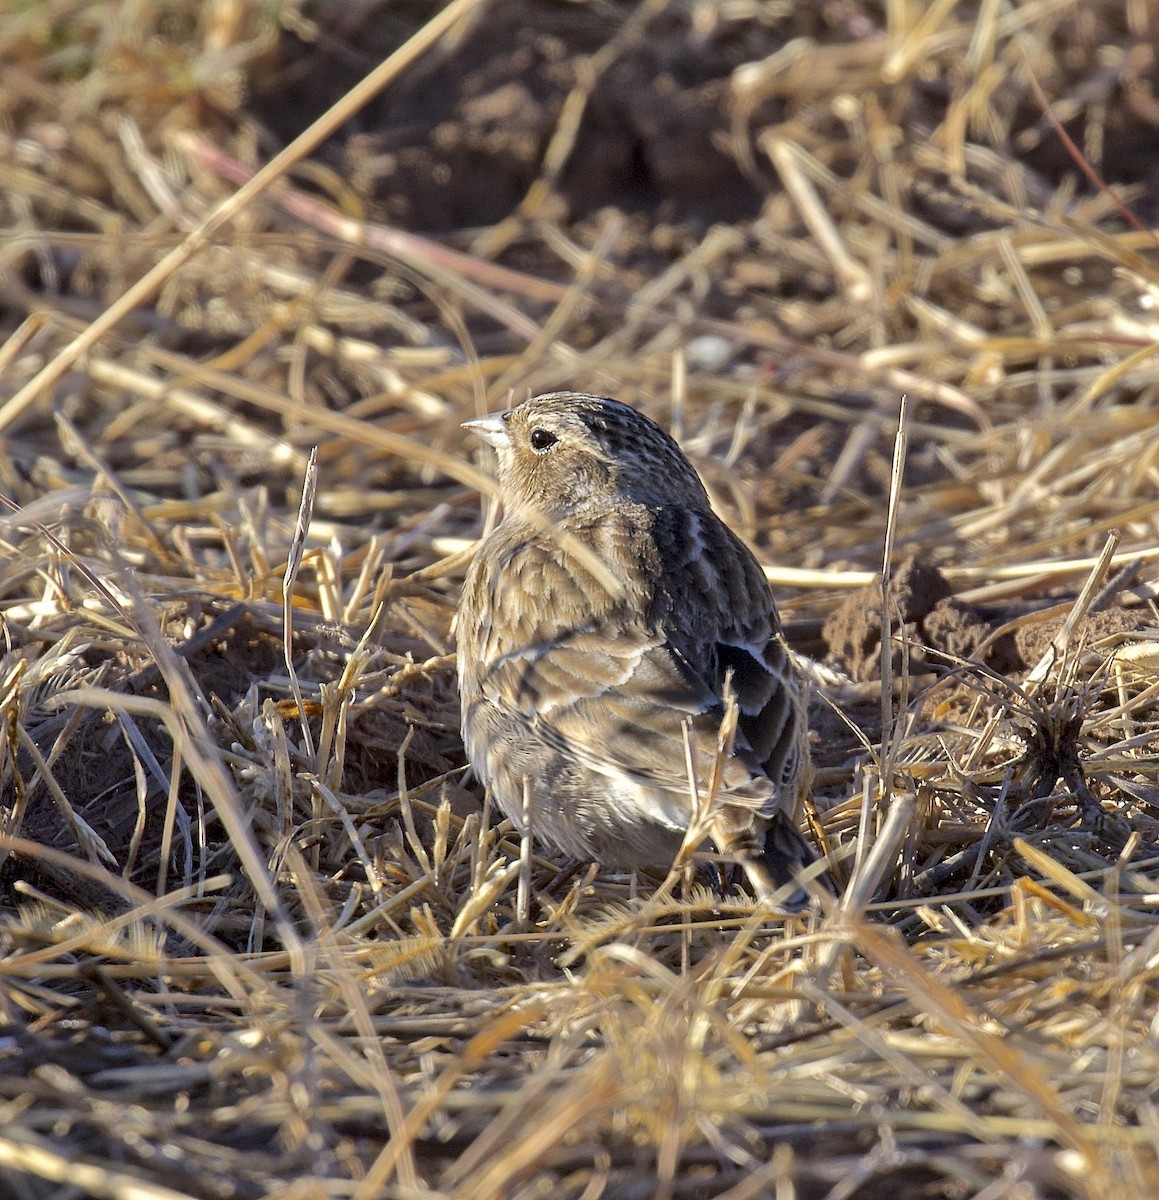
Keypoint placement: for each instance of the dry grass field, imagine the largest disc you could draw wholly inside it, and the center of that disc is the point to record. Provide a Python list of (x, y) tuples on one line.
[(888, 270)]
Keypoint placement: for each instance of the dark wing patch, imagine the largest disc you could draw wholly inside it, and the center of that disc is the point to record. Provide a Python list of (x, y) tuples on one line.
[(722, 616)]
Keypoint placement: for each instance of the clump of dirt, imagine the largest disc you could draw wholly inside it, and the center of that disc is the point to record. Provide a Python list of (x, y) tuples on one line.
[(1032, 641), (955, 628), (932, 621)]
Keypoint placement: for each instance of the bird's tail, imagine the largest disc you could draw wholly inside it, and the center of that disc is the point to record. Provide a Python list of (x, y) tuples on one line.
[(774, 870)]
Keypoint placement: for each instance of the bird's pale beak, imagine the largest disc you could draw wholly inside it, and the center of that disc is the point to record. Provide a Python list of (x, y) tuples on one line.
[(492, 429)]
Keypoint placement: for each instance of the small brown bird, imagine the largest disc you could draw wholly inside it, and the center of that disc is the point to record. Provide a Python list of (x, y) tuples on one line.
[(607, 626)]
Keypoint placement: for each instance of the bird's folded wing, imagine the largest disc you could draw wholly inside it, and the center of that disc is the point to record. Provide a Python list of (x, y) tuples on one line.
[(623, 685), (724, 613), (624, 703)]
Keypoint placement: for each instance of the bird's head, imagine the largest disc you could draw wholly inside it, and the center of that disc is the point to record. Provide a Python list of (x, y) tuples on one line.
[(568, 452)]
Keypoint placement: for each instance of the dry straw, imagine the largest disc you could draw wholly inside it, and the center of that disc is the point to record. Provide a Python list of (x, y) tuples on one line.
[(260, 934)]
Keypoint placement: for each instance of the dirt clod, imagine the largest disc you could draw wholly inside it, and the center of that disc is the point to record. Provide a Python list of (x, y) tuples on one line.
[(931, 620)]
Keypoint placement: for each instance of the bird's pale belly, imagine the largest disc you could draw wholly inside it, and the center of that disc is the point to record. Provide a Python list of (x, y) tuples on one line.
[(588, 813)]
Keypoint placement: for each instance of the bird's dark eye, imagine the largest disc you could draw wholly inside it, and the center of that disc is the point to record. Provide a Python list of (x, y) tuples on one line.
[(542, 439)]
